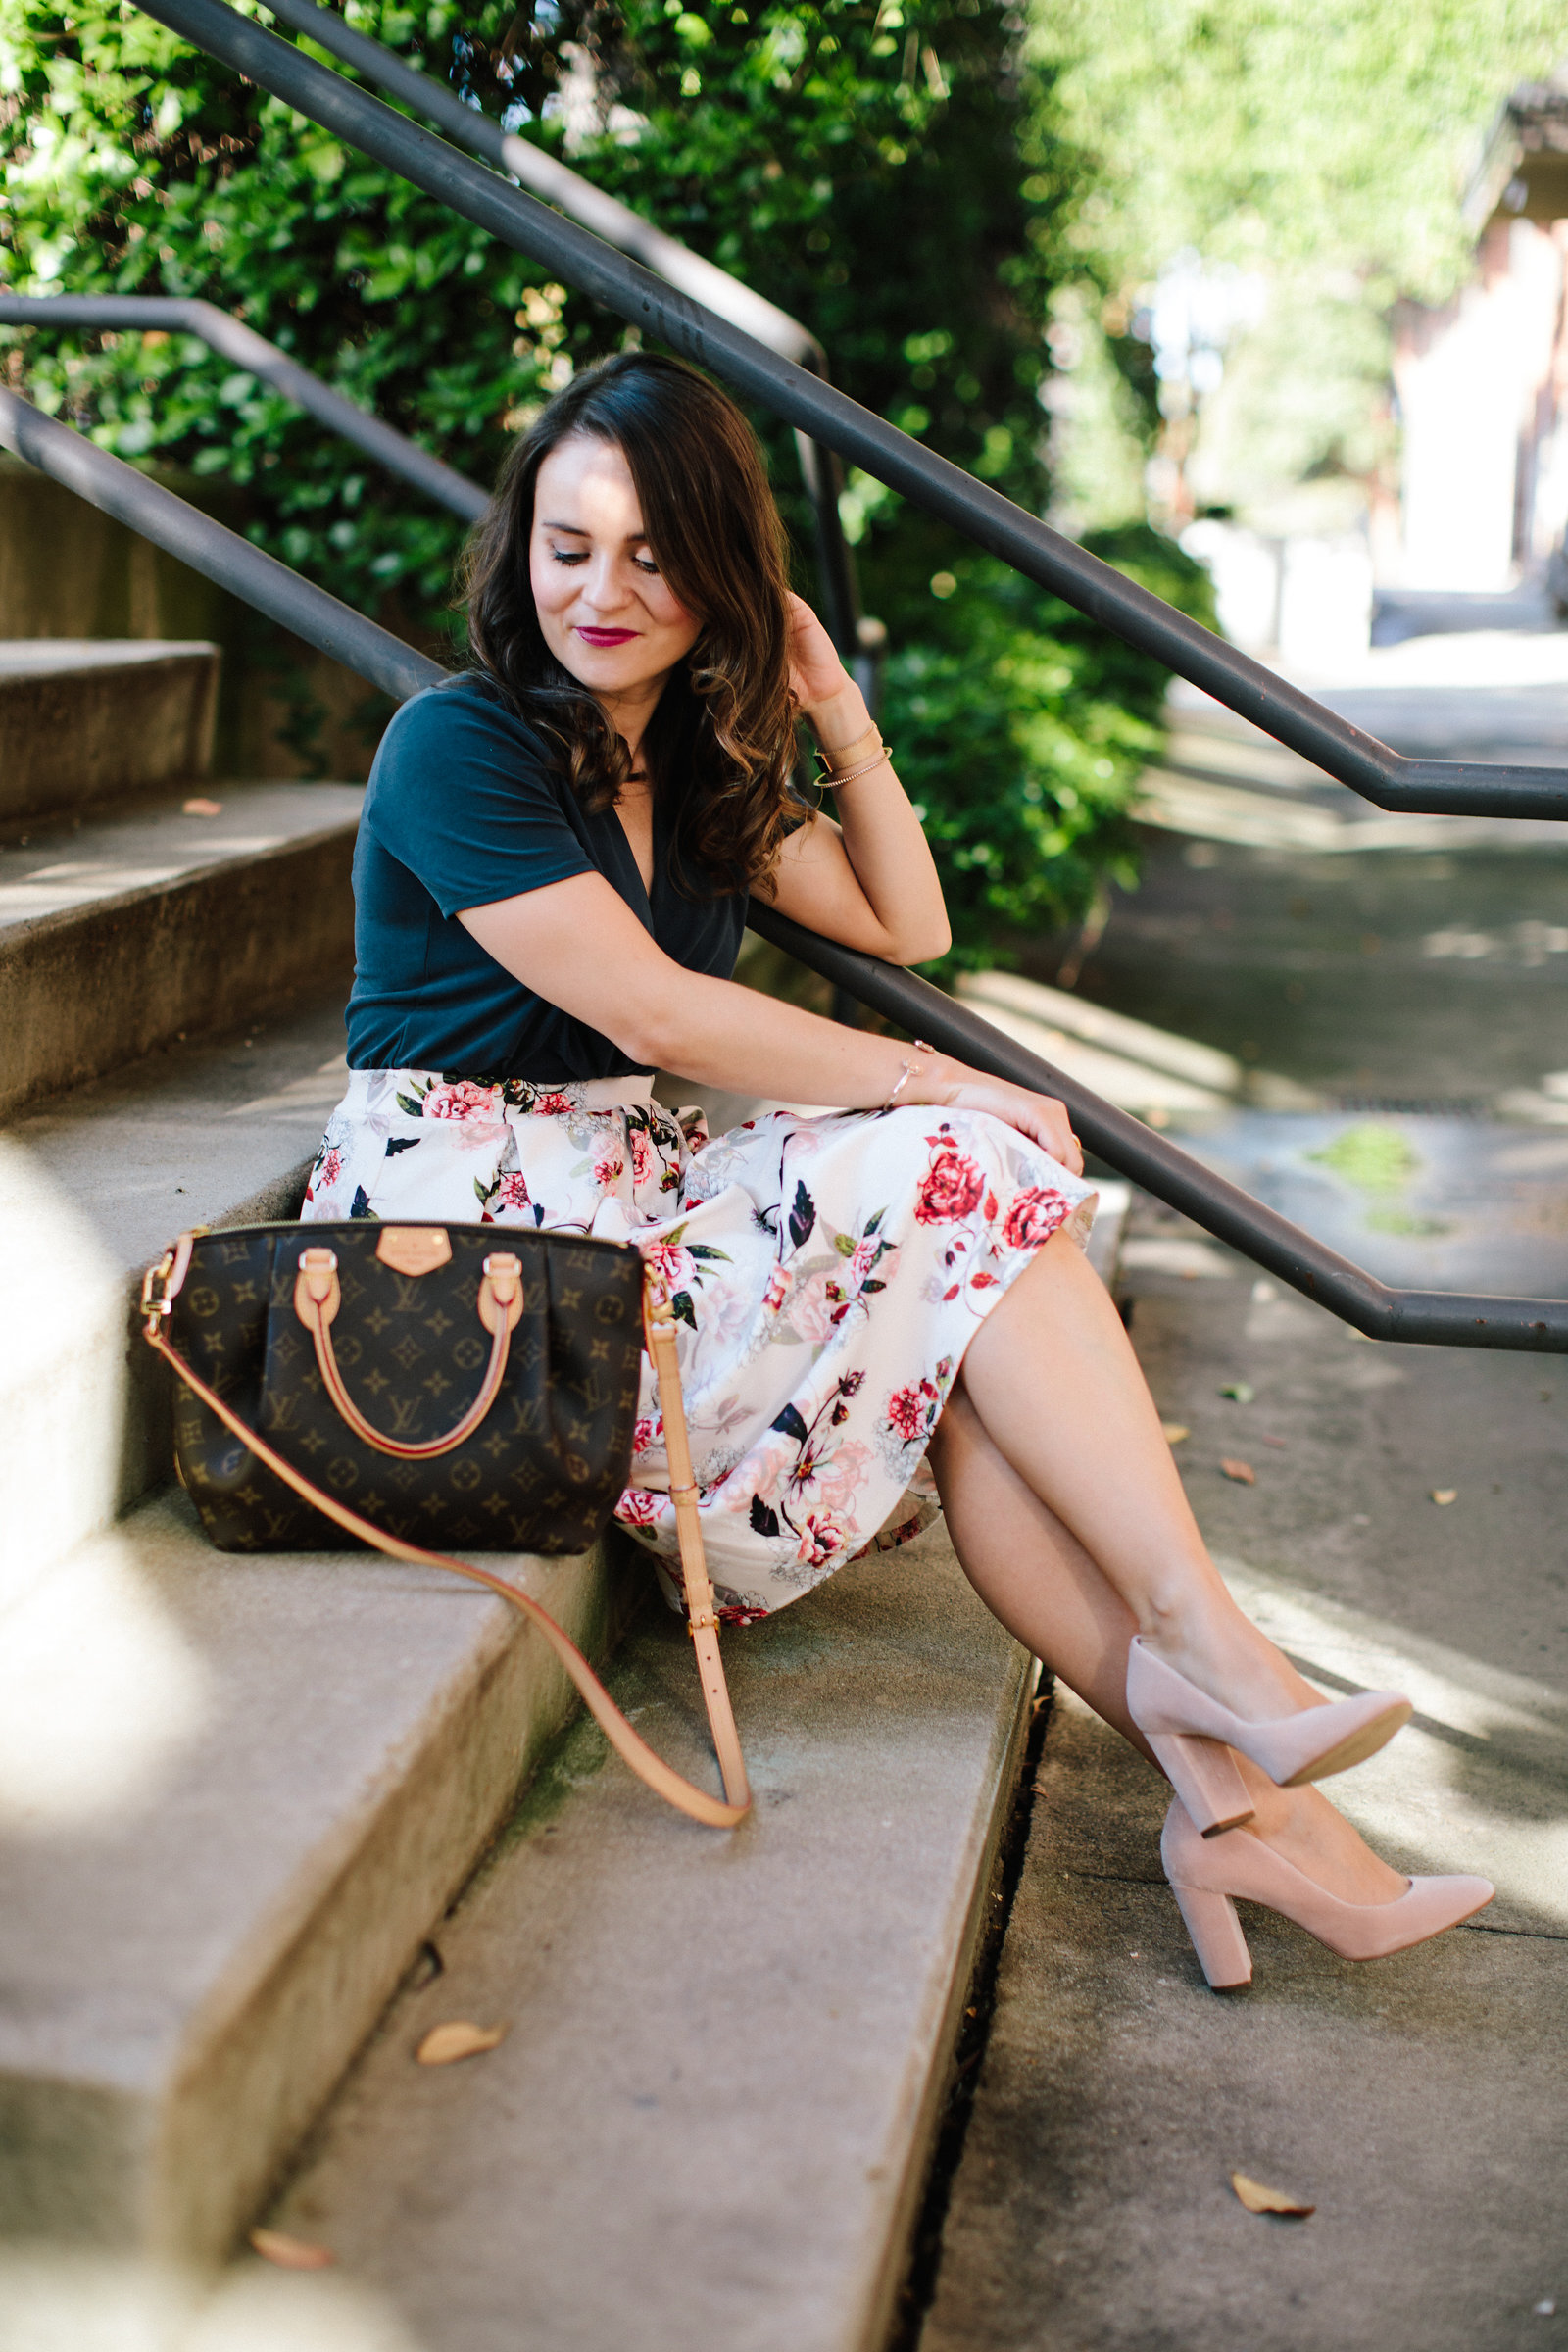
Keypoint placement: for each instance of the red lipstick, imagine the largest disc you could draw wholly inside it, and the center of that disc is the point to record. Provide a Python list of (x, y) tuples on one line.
[(606, 637)]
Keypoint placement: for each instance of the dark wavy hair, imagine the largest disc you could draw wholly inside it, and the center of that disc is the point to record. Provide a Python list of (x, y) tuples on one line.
[(720, 745)]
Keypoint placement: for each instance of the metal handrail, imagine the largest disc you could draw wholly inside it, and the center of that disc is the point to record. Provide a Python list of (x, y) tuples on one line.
[(1430, 1317), (547, 178), (220, 555), (240, 344), (978, 513)]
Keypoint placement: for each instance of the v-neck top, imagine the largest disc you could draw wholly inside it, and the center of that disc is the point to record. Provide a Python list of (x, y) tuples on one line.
[(466, 806)]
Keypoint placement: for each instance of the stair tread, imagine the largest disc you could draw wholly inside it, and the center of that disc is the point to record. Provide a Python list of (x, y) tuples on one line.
[(233, 1795), (57, 868), (58, 657), (203, 1134), (708, 2122), (94, 1184)]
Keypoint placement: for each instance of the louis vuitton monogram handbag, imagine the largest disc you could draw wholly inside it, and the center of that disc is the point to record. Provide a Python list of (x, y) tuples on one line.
[(421, 1385)]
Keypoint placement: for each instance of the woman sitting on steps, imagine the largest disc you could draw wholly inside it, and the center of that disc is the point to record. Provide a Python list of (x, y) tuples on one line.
[(551, 885)]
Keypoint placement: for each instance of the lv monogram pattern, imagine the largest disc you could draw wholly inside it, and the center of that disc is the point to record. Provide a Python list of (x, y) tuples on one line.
[(543, 1472)]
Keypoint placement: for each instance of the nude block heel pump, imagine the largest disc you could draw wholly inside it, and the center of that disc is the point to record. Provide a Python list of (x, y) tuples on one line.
[(1206, 1876), (1203, 1774)]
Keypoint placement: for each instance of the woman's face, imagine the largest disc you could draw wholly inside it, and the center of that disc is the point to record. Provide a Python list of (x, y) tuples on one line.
[(606, 613)]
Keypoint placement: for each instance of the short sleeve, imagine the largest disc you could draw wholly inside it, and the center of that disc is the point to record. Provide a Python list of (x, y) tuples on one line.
[(462, 794)]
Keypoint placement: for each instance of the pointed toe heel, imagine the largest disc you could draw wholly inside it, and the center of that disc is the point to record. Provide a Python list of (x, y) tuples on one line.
[(1217, 1932), (1203, 1774), (1307, 1745), (1205, 1879)]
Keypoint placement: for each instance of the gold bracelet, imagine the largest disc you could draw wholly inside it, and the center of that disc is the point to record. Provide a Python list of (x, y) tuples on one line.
[(833, 777), (909, 1071), (840, 751)]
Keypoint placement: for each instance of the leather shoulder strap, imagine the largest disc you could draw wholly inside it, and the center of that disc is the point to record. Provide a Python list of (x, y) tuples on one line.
[(659, 1775)]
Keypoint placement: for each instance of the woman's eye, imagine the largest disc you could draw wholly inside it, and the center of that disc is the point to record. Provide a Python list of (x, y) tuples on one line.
[(569, 555), (647, 564)]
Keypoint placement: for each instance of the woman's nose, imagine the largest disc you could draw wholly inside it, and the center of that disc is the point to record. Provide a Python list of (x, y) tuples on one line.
[(603, 589)]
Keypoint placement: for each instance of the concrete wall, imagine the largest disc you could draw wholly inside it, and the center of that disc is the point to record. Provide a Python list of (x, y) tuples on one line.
[(67, 571)]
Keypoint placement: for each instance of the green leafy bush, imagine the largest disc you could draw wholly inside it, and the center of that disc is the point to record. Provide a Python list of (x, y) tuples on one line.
[(883, 169)]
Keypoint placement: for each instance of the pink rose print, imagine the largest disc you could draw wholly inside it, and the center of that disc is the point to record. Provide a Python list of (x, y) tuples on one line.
[(637, 1508), (648, 1431), (912, 1411), (842, 1476), (512, 1192), (552, 1107), (778, 1283), (331, 1167), (1034, 1217), (674, 1265), (822, 1539), (811, 1310), (610, 1169), (642, 1163), (465, 1101), (954, 1186)]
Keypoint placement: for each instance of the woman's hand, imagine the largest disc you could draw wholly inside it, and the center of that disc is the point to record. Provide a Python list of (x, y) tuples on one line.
[(820, 683), (1040, 1117)]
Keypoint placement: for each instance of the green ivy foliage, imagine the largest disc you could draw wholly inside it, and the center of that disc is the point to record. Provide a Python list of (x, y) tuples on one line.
[(885, 170)]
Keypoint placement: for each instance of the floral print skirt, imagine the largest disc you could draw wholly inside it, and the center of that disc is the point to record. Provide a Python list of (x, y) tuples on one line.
[(828, 1274)]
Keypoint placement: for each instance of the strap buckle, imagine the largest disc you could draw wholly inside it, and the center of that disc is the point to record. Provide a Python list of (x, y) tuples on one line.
[(702, 1621), (156, 1303)]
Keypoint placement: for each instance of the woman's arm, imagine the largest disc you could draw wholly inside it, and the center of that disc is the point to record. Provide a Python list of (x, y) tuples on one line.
[(578, 945), (867, 881)]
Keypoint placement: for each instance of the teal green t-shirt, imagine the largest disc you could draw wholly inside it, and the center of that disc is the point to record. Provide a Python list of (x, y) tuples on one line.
[(465, 807)]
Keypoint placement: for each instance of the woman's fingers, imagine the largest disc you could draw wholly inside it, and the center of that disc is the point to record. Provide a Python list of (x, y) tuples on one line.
[(1040, 1117)]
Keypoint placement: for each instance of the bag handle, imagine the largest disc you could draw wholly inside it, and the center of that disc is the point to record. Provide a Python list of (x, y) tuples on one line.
[(317, 1297), (660, 1777)]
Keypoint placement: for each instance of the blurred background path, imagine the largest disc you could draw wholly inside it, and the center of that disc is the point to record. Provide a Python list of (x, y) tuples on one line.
[(1403, 1522)]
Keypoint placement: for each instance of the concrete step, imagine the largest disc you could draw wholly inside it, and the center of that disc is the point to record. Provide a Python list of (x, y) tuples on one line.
[(86, 719), (93, 1185), (707, 2127), (121, 933), (234, 1795)]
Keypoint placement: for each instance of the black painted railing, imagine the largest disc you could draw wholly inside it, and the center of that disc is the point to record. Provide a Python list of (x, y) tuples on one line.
[(243, 346), (979, 514), (1435, 1317)]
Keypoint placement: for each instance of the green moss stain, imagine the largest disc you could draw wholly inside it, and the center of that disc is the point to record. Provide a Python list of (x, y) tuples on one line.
[(1382, 1162), (1375, 1159)]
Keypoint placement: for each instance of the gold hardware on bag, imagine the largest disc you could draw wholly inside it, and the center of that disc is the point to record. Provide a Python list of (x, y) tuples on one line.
[(414, 1248)]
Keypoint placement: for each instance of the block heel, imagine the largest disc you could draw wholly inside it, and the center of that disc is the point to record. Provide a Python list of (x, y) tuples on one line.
[(1206, 1875), (1203, 1774), (1217, 1939)]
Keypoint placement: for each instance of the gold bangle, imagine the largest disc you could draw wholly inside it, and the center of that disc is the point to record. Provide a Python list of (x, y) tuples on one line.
[(833, 777), (841, 750)]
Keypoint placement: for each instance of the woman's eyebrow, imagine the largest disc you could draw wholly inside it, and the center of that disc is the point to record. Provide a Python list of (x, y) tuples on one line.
[(573, 530)]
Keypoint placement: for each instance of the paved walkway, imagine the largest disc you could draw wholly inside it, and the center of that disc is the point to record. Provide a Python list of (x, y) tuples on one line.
[(1421, 2103)]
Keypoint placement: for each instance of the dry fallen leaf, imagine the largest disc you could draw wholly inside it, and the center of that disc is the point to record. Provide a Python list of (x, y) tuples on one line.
[(290, 2253), (1173, 1432), (1442, 1496), (200, 808), (1240, 1389), (1242, 1473), (445, 2044), (1258, 2199)]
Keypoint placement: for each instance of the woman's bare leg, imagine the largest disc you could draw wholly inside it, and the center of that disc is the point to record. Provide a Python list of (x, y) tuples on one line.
[(1034, 1576), (1055, 1385)]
